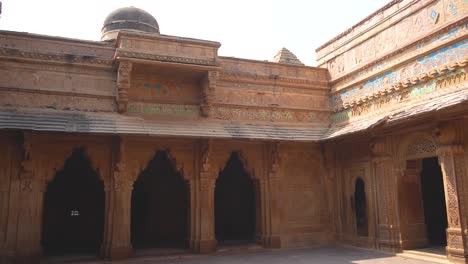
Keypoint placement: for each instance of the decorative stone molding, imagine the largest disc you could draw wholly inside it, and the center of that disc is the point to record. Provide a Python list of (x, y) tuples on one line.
[(10, 53), (240, 77), (123, 84)]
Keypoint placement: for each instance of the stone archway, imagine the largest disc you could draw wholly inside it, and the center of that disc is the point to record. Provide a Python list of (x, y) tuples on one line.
[(159, 206), (73, 213), (360, 208), (235, 203), (418, 205)]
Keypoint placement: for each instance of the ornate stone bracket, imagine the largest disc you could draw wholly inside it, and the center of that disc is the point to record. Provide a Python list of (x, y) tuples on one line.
[(208, 89), (123, 85)]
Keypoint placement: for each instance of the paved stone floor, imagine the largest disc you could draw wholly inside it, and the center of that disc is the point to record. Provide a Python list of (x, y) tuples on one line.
[(325, 255)]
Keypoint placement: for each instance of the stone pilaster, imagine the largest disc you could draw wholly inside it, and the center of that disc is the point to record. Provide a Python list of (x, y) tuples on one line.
[(272, 217), (30, 206), (204, 240), (452, 162)]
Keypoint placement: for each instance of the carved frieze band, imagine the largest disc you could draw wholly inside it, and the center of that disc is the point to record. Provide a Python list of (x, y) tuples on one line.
[(395, 57), (229, 113), (433, 65)]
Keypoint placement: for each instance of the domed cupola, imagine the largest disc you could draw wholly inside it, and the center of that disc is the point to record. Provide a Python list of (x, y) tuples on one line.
[(129, 19)]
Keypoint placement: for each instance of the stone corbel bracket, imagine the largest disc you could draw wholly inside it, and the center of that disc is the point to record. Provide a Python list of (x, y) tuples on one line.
[(208, 89), (124, 72)]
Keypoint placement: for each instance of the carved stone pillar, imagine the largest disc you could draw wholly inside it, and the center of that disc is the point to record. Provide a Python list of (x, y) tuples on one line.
[(387, 201), (204, 238), (452, 162), (123, 84), (386, 177), (30, 205), (117, 244), (208, 88), (117, 241)]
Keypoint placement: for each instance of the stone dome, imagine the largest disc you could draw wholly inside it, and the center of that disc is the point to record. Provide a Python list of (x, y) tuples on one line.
[(128, 18)]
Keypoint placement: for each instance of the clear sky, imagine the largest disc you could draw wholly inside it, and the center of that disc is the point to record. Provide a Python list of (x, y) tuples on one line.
[(252, 29)]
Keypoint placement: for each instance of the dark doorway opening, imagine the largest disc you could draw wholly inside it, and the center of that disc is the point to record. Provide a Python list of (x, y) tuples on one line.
[(360, 208), (435, 214), (73, 216), (159, 206), (234, 204)]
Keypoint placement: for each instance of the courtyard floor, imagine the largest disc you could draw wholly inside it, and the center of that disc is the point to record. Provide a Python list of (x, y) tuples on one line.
[(325, 255)]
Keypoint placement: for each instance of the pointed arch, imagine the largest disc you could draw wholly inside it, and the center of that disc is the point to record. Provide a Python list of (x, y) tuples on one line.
[(235, 202), (73, 214), (159, 211)]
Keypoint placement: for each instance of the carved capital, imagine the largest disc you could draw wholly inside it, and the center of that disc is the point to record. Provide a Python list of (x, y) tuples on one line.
[(274, 157), (122, 181), (207, 184), (123, 84)]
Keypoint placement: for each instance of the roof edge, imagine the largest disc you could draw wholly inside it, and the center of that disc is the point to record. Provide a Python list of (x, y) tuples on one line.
[(386, 6)]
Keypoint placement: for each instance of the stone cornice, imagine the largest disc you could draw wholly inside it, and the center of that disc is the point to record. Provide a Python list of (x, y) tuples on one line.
[(31, 56), (123, 54), (349, 30), (149, 36)]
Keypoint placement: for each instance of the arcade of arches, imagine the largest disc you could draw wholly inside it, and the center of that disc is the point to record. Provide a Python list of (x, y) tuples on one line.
[(110, 196)]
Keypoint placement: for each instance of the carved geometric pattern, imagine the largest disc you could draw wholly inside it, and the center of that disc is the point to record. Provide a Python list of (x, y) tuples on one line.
[(421, 146)]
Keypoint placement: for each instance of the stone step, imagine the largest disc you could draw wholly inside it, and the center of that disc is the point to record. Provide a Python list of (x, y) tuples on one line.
[(424, 255)]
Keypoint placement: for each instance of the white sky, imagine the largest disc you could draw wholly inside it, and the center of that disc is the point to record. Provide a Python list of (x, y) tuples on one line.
[(252, 29)]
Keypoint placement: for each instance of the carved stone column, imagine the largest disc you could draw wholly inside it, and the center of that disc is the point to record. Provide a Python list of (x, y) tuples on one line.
[(207, 216), (452, 162), (30, 205), (386, 176), (269, 191), (117, 241), (123, 84)]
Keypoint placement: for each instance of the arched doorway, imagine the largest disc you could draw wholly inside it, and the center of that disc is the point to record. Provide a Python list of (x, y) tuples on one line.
[(234, 204), (433, 197), (360, 206), (159, 206), (73, 216)]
